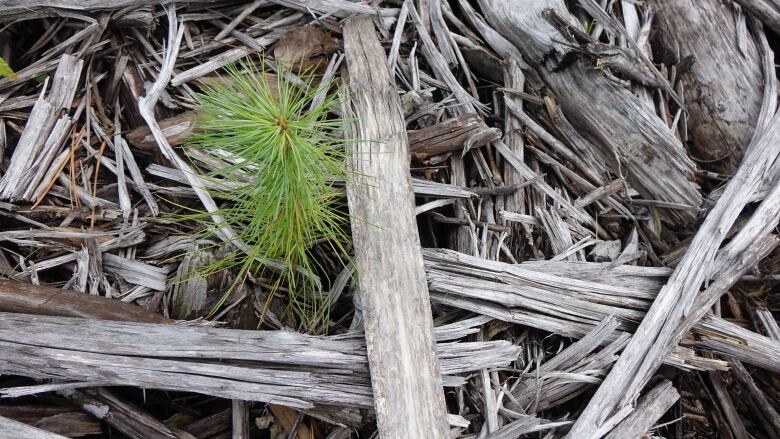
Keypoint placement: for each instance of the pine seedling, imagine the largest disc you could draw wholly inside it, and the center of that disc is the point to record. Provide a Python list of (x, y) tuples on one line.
[(284, 154)]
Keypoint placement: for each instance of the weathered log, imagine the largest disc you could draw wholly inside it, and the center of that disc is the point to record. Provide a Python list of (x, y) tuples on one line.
[(405, 372), (626, 133), (20, 297), (278, 367), (724, 87)]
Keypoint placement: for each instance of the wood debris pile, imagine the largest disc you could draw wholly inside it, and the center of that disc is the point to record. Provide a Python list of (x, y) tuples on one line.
[(597, 191)]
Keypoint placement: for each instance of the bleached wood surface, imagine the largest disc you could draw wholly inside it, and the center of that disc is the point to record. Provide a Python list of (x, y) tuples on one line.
[(272, 366), (767, 11), (405, 371), (572, 298)]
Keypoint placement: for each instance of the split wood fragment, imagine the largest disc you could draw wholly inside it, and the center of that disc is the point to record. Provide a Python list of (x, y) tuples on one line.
[(405, 371)]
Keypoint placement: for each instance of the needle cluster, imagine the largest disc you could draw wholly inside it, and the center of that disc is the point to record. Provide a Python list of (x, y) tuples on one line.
[(284, 153)]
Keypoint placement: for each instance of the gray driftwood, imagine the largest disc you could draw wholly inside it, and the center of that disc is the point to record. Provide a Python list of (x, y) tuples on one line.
[(405, 371), (724, 87), (279, 367), (572, 298)]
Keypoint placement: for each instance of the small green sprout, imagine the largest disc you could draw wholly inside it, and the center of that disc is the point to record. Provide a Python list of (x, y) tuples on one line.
[(285, 153)]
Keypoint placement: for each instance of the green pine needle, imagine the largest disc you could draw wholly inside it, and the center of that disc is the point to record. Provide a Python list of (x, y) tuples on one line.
[(286, 156)]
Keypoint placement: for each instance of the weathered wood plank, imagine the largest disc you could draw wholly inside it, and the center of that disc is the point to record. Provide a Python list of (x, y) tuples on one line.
[(279, 367), (405, 371)]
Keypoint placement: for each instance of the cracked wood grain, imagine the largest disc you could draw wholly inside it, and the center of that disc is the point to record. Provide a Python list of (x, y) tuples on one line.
[(405, 371)]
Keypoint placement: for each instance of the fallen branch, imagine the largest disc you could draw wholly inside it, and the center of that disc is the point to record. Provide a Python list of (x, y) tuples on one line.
[(277, 367)]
